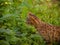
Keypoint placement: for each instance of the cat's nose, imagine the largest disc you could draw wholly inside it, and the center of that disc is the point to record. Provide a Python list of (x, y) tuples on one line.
[(27, 21)]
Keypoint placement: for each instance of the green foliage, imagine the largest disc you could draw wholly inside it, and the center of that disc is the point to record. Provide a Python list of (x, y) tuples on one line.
[(13, 27)]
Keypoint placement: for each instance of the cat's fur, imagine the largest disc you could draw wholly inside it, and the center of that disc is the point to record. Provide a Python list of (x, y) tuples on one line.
[(50, 33)]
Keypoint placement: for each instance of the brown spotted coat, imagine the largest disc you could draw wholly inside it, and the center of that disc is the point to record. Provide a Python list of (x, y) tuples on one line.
[(50, 33)]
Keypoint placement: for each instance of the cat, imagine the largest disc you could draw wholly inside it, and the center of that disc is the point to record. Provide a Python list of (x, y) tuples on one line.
[(50, 33)]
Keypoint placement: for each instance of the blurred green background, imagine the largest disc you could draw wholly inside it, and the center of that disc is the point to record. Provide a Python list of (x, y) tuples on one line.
[(13, 14)]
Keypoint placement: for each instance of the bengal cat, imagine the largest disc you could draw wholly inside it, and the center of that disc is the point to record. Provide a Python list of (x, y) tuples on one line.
[(50, 33)]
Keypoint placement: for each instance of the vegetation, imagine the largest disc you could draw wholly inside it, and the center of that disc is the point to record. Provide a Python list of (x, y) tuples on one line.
[(13, 27)]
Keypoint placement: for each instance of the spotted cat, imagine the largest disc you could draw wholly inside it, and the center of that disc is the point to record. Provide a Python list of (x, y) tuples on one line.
[(50, 33)]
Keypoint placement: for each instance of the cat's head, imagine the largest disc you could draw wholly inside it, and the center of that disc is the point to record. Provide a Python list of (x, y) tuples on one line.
[(32, 19)]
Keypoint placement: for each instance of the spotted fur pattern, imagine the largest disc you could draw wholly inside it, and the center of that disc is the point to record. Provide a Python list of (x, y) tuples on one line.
[(50, 33)]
